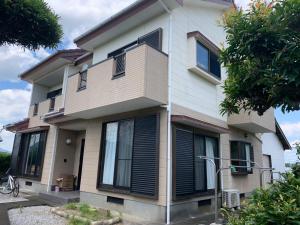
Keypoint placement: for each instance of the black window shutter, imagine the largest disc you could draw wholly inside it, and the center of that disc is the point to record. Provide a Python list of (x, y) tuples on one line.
[(144, 174), (15, 154), (184, 162), (154, 39)]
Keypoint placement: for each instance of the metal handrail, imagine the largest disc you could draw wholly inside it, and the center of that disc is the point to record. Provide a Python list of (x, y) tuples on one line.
[(212, 160)]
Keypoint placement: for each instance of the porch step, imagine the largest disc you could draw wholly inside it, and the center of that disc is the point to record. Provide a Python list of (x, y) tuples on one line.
[(60, 198)]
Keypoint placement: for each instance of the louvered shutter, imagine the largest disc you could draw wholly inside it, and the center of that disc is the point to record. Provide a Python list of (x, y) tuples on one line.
[(15, 154), (144, 174), (153, 39), (184, 162)]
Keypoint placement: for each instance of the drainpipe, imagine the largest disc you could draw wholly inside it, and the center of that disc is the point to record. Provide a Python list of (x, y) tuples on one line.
[(169, 112), (51, 170)]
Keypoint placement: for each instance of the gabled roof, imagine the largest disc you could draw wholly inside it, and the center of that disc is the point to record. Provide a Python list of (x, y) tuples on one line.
[(281, 136), (68, 56), (134, 14)]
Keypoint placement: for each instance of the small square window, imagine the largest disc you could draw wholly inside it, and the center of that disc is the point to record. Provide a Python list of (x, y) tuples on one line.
[(207, 60)]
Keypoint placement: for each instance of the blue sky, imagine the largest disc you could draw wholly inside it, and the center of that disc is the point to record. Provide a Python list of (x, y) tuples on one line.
[(15, 94)]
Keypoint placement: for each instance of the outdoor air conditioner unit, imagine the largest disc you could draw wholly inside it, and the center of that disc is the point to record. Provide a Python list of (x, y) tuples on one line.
[(231, 198)]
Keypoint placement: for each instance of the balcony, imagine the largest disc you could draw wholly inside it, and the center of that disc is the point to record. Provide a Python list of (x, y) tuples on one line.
[(39, 110), (253, 122), (131, 81)]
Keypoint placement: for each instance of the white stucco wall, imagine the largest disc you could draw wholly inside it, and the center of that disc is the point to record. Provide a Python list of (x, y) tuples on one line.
[(189, 89), (100, 52), (272, 146)]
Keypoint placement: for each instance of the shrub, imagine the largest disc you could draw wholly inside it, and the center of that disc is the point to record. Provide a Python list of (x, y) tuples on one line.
[(4, 162), (278, 204)]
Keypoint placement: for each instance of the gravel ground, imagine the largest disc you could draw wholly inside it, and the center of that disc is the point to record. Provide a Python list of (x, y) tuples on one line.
[(36, 215), (9, 198)]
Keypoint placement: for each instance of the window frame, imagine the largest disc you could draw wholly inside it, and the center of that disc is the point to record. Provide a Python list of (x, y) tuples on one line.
[(239, 149), (35, 109), (119, 190), (103, 152), (23, 154), (198, 42), (205, 134)]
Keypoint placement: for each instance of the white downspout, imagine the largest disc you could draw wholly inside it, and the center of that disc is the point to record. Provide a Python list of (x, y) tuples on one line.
[(169, 111), (54, 147)]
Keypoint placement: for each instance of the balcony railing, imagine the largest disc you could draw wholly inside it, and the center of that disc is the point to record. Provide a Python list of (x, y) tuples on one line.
[(142, 75), (38, 110)]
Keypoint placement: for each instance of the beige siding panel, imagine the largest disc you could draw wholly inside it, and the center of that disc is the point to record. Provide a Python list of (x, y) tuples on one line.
[(248, 182), (145, 77), (92, 154), (64, 152), (48, 154)]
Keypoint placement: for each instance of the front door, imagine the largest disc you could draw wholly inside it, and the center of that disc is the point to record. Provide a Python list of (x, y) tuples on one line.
[(80, 164)]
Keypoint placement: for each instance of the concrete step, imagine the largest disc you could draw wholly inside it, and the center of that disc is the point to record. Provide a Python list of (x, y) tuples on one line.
[(60, 198)]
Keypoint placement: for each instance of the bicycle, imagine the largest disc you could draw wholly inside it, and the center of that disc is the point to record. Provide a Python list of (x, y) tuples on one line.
[(9, 184)]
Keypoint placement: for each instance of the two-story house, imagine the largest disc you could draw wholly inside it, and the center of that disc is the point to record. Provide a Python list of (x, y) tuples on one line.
[(130, 112)]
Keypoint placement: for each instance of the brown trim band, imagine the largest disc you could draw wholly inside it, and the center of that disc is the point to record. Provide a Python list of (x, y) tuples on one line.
[(285, 143), (69, 54), (204, 40), (18, 126), (114, 21), (35, 129), (181, 119)]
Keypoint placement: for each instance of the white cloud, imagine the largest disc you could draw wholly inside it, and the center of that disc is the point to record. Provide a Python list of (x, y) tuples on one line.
[(77, 16), (14, 107), (15, 60), (292, 130)]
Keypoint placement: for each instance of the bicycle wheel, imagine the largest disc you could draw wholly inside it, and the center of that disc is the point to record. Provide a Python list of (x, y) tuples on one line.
[(5, 188), (16, 189)]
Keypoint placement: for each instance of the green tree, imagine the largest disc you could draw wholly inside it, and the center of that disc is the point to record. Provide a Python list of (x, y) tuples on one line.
[(262, 57), (29, 23), (4, 162)]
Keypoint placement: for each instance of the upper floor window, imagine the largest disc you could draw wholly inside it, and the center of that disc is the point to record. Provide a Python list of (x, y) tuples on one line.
[(35, 109), (82, 80), (119, 64), (242, 157), (153, 39), (208, 60), (52, 104)]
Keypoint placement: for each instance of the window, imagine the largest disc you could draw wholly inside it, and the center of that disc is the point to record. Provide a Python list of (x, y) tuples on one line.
[(82, 80), (28, 153), (153, 39), (193, 174), (207, 60), (52, 104), (129, 157), (35, 109), (118, 157), (241, 157), (32, 163), (53, 94), (119, 64)]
